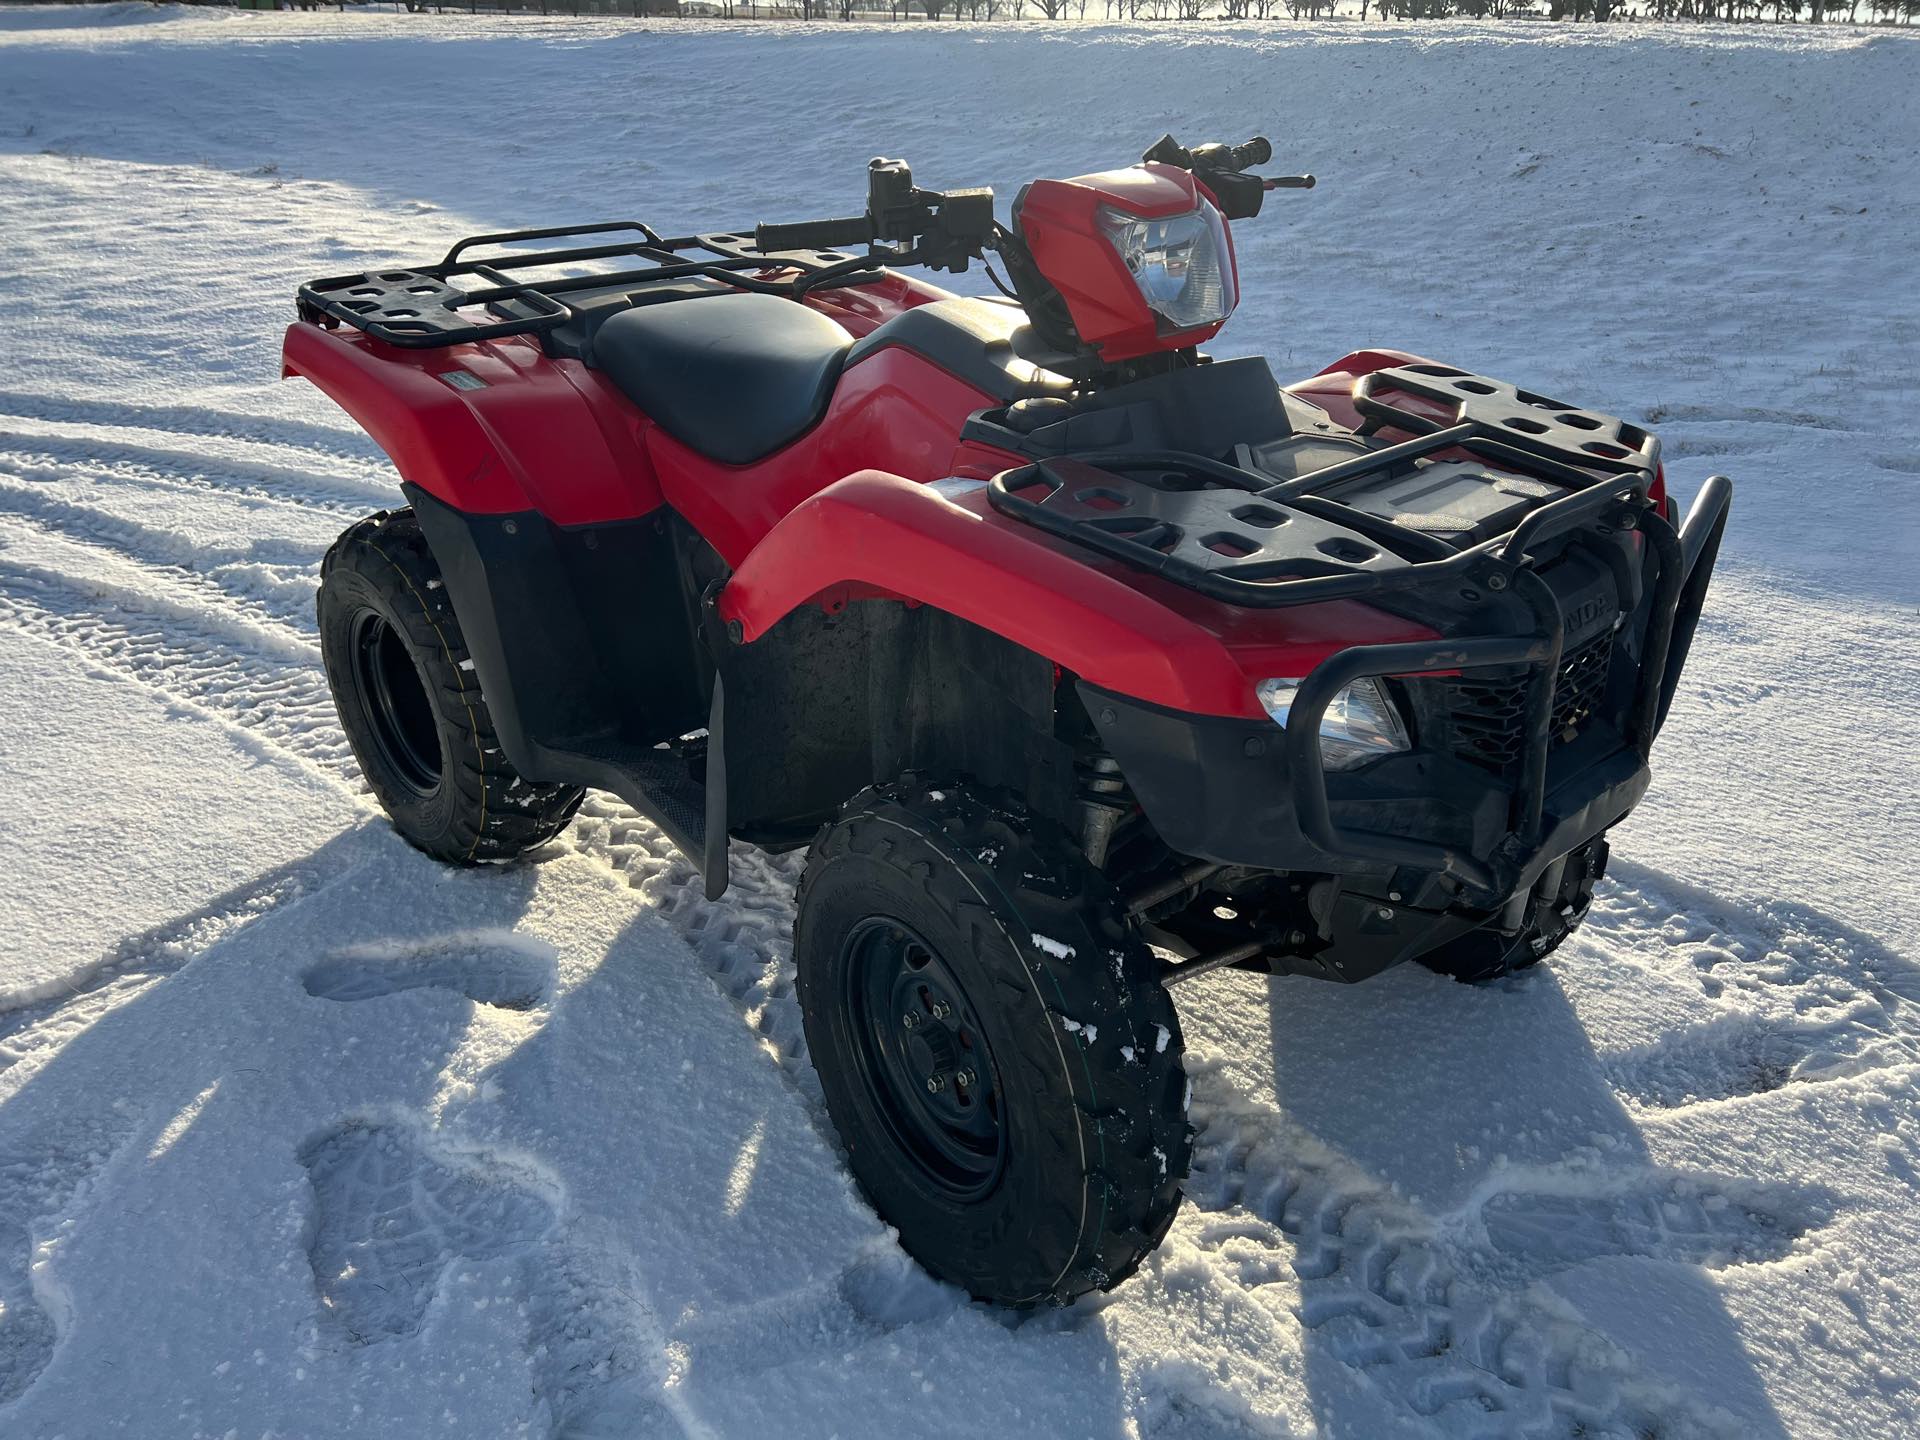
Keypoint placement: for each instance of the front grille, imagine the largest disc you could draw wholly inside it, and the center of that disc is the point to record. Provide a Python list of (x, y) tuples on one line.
[(1486, 719)]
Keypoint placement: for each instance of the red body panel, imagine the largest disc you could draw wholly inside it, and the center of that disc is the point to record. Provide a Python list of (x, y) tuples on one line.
[(862, 308), (1112, 626), (537, 434), (894, 410), (556, 437)]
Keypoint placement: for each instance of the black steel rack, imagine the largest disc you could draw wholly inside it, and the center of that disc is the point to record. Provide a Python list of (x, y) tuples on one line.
[(1244, 538), (420, 307)]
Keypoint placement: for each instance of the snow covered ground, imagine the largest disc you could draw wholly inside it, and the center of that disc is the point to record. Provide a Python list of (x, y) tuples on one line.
[(559, 1117)]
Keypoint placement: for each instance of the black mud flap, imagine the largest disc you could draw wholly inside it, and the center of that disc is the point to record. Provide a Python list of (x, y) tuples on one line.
[(713, 861)]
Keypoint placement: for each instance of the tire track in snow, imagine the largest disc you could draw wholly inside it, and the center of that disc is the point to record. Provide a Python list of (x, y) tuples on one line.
[(745, 939), (283, 702), (1435, 1314), (249, 469), (274, 594), (38, 1024), (341, 442)]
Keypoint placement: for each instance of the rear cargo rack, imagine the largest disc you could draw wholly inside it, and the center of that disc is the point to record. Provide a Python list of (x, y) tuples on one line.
[(419, 308)]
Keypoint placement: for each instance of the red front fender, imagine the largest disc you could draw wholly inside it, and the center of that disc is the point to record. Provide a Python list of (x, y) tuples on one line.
[(879, 531)]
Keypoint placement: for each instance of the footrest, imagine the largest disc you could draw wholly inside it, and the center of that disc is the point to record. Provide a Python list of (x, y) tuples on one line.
[(660, 784)]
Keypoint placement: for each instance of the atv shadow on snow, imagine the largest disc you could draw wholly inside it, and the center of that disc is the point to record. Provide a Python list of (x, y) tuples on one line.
[(1454, 1173), (1438, 1171), (270, 1094), (151, 1184), (715, 1270)]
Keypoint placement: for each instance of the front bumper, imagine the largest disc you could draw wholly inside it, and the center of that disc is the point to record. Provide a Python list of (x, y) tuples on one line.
[(1435, 830)]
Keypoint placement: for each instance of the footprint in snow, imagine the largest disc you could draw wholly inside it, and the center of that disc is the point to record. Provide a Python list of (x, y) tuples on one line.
[(40, 1178), (494, 967), (1672, 1221), (392, 1217)]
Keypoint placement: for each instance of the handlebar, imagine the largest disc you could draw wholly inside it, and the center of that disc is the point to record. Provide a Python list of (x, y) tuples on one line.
[(947, 228), (1213, 158), (1224, 170), (940, 228), (814, 234)]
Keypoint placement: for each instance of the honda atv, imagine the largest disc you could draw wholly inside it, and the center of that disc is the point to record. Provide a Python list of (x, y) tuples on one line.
[(1084, 665)]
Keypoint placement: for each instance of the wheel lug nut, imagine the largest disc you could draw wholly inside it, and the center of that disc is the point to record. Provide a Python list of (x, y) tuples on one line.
[(941, 1010), (964, 1077), (910, 1020), (936, 1083)]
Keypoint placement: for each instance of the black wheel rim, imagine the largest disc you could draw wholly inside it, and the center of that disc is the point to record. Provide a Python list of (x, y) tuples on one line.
[(924, 1059), (394, 700)]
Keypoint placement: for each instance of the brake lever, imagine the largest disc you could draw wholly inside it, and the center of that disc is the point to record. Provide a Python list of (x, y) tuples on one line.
[(1287, 182)]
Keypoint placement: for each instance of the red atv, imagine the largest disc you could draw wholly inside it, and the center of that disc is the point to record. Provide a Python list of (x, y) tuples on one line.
[(1083, 664)]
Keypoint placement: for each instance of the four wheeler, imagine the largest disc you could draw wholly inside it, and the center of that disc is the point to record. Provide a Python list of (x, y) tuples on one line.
[(1083, 664)]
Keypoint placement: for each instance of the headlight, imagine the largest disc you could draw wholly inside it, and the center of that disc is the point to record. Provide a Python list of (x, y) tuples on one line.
[(1360, 725), (1179, 263)]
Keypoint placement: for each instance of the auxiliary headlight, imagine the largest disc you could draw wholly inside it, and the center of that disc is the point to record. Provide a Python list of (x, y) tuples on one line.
[(1360, 725), (1179, 262)]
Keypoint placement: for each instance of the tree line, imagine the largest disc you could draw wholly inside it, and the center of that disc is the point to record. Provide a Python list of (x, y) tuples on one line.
[(1850, 12), (1847, 12)]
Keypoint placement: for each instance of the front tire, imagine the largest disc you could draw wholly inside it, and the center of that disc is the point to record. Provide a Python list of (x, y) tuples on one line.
[(408, 698), (996, 1050)]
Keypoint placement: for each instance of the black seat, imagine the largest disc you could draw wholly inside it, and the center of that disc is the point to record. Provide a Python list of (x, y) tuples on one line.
[(734, 377)]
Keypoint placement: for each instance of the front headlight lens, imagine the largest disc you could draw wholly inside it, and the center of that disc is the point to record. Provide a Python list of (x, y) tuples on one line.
[(1179, 262), (1360, 725)]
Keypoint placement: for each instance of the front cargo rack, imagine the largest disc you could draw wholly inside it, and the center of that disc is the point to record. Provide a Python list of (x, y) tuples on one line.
[(420, 308), (1240, 535)]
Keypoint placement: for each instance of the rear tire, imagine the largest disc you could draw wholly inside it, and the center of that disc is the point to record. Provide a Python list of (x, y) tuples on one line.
[(411, 705), (997, 1052)]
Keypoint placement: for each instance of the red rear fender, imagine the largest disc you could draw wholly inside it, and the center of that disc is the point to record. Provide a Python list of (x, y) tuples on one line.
[(491, 428)]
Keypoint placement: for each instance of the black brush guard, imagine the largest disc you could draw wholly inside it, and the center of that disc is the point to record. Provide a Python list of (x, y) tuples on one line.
[(1244, 572), (1686, 561)]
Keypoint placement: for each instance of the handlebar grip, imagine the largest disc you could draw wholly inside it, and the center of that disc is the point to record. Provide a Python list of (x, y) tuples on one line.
[(1257, 151), (814, 234)]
